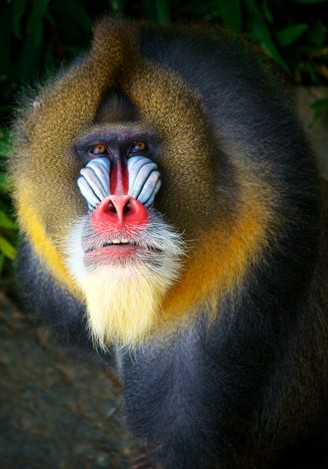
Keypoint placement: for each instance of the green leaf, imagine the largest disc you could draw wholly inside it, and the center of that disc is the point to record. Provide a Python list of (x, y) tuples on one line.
[(5, 184), (4, 142), (320, 104), (260, 32), (267, 12), (18, 9), (6, 222), (316, 34), (7, 249), (28, 60), (230, 14), (35, 25), (74, 10), (319, 107), (162, 11), (157, 10), (6, 43), (117, 6), (290, 34), (307, 68)]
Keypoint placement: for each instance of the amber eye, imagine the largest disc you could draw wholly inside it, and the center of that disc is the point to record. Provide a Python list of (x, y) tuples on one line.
[(138, 146), (98, 149)]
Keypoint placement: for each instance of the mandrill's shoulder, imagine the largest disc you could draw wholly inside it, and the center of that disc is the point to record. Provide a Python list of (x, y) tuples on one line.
[(45, 298)]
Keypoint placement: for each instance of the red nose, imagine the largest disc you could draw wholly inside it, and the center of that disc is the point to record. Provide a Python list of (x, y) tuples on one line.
[(119, 211)]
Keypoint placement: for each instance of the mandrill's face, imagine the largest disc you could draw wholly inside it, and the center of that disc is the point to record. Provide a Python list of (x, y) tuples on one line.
[(127, 256)]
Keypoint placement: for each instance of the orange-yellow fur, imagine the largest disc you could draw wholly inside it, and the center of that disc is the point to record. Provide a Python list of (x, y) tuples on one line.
[(221, 257), (43, 245)]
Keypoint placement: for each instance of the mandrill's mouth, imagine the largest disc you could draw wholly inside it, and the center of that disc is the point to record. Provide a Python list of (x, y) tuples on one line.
[(118, 249), (121, 243), (155, 246)]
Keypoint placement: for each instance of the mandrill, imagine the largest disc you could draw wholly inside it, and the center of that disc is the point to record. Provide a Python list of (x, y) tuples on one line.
[(171, 216)]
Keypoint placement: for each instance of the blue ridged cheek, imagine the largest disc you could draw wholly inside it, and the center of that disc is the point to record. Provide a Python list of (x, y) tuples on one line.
[(144, 180)]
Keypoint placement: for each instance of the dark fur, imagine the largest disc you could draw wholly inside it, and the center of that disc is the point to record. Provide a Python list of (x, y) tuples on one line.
[(250, 390)]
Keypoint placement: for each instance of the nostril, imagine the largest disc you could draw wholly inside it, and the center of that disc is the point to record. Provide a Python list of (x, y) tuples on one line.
[(127, 207), (111, 207), (119, 211)]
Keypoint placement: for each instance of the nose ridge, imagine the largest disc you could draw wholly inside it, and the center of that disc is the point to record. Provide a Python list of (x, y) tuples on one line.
[(119, 178)]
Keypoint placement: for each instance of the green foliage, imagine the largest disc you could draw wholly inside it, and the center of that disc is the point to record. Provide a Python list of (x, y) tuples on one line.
[(8, 228), (292, 32), (258, 20), (319, 108)]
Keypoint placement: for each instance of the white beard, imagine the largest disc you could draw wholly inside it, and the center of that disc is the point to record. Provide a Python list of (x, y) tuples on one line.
[(124, 300)]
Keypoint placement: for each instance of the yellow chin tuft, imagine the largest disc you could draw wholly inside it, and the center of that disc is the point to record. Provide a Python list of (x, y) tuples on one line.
[(122, 304)]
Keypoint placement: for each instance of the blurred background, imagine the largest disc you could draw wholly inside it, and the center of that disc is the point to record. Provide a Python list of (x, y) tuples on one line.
[(55, 411)]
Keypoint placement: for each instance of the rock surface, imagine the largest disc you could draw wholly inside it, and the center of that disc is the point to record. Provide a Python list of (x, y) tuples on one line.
[(56, 410)]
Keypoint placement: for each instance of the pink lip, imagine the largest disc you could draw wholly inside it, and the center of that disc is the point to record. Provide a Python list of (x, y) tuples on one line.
[(113, 252)]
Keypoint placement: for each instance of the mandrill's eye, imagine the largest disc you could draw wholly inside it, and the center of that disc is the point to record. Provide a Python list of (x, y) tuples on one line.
[(97, 150), (138, 147)]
